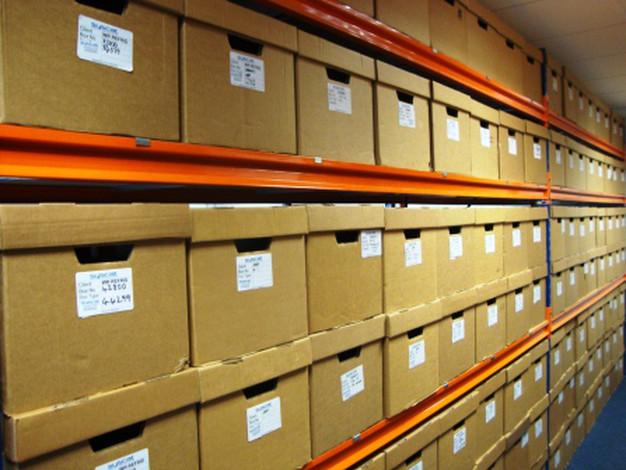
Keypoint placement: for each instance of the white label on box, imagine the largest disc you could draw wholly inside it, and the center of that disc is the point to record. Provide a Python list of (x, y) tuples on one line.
[(568, 437), (601, 315), (456, 246), (615, 175), (538, 428), (517, 389), (570, 161), (600, 392), (570, 93), (598, 117), (559, 288), (591, 168), (581, 164), (247, 72), (590, 112), (592, 320), (417, 354), (593, 268), (590, 365), (581, 228), (572, 229), (580, 420), (371, 243), (412, 252), (568, 343), (581, 335), (524, 440), (572, 278), (610, 261), (581, 103), (490, 243), (485, 137), (459, 440), (601, 225), (263, 419), (104, 44), (519, 302), (104, 292), (586, 268), (339, 98), (536, 233), (557, 357), (610, 224), (591, 226), (536, 293), (602, 264), (352, 383), (557, 459), (538, 372), (606, 122), (558, 156), (560, 398), (609, 173), (555, 84), (537, 151), (254, 272), (490, 411), (454, 131), (139, 460), (512, 145), (599, 354), (581, 379), (458, 330), (406, 115), (600, 171), (517, 237), (417, 466), (607, 347), (592, 406), (492, 315)]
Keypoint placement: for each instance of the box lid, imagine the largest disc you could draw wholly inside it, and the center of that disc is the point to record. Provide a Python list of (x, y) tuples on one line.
[(458, 302), (491, 386), (415, 441), (35, 433), (410, 318), (330, 342), (484, 112), (232, 224), (558, 138), (412, 218), (537, 130), (402, 79), (228, 15), (458, 411), (219, 379), (497, 288), (554, 64), (511, 122), (329, 218), (489, 458), (539, 272), (174, 6), (321, 50), (526, 214), (489, 215), (562, 212), (53, 225), (521, 279), (451, 97)]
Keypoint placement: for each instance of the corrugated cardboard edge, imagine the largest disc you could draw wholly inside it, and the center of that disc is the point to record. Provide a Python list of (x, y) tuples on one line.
[(491, 215), (515, 435), (491, 386), (512, 122), (539, 408), (417, 218), (496, 451), (519, 280), (38, 432), (491, 290), (401, 79), (459, 411), (330, 342), (329, 218), (541, 462), (558, 138), (566, 263), (405, 320), (219, 379), (218, 224), (458, 302), (539, 272), (451, 97), (562, 382), (537, 130), (418, 439), (484, 112), (561, 333)]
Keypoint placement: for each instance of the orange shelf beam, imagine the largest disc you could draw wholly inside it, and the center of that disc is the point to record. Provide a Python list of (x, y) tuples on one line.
[(558, 193)]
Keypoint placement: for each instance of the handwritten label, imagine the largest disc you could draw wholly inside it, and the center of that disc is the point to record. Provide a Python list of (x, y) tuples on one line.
[(352, 383), (104, 292), (104, 44), (247, 72), (371, 243)]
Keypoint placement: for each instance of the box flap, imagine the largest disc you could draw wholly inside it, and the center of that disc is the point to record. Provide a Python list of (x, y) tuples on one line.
[(485, 461), (558, 335), (31, 434), (521, 279), (516, 369), (539, 272), (564, 212), (328, 53), (411, 218), (410, 318), (566, 263), (484, 112), (537, 130), (531, 50), (515, 435), (331, 342), (539, 408), (228, 15), (458, 302), (219, 379), (556, 440), (415, 441), (539, 351), (54, 225), (448, 96), (489, 215), (232, 224), (497, 288), (558, 138), (173, 6), (402, 79), (458, 411), (512, 122), (329, 218), (491, 386), (456, 217), (554, 64)]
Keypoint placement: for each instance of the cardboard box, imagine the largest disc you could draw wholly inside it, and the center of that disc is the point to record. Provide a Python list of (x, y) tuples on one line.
[(457, 443), (518, 307), (575, 172), (375, 463), (519, 238), (483, 45), (402, 118), (558, 292), (491, 313), (254, 412), (562, 353), (144, 75), (490, 413), (572, 289), (253, 260), (537, 251), (554, 83), (558, 153), (518, 455), (531, 72), (334, 101), (538, 434), (558, 236), (450, 121), (484, 122), (344, 264), (420, 445), (411, 356), (346, 382), (406, 16), (448, 28), (570, 99), (538, 302), (535, 152), (493, 458), (76, 255), (248, 59), (457, 335), (455, 250), (489, 244), (511, 138)]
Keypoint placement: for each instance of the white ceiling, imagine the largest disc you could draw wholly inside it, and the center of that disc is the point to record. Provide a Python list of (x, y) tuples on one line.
[(588, 36)]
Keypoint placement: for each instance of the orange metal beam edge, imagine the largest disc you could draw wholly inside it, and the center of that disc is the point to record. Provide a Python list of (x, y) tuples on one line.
[(357, 27), (60, 155), (559, 193), (386, 431)]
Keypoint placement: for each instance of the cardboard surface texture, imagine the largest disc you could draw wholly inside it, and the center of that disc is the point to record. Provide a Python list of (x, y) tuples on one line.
[(407, 16), (511, 143), (484, 141), (448, 28)]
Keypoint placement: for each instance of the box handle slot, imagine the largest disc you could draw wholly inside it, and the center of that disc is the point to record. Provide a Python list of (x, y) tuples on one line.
[(261, 388), (488, 227), (338, 75), (349, 354), (510, 44), (536, 223), (347, 236), (511, 132), (253, 244), (536, 283), (519, 291), (458, 425), (554, 74), (454, 230), (490, 397), (112, 438), (482, 23), (531, 60), (491, 301), (117, 7), (415, 332), (245, 45), (452, 112), (450, 2), (103, 253), (413, 458), (412, 233), (484, 124), (516, 224), (457, 315), (405, 97), (536, 140)]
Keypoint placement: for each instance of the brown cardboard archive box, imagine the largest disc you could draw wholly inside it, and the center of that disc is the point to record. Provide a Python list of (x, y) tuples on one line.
[(238, 83), (558, 154), (456, 446), (531, 72), (554, 72), (402, 118), (489, 244), (518, 306), (491, 318), (130, 88), (490, 413), (110, 283), (484, 122), (448, 28), (535, 153), (346, 383), (457, 340), (254, 413), (152, 422), (344, 264), (247, 273), (407, 16), (511, 137), (334, 101), (419, 447)]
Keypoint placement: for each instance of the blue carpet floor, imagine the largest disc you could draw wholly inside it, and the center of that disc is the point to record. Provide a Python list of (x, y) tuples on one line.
[(605, 446)]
